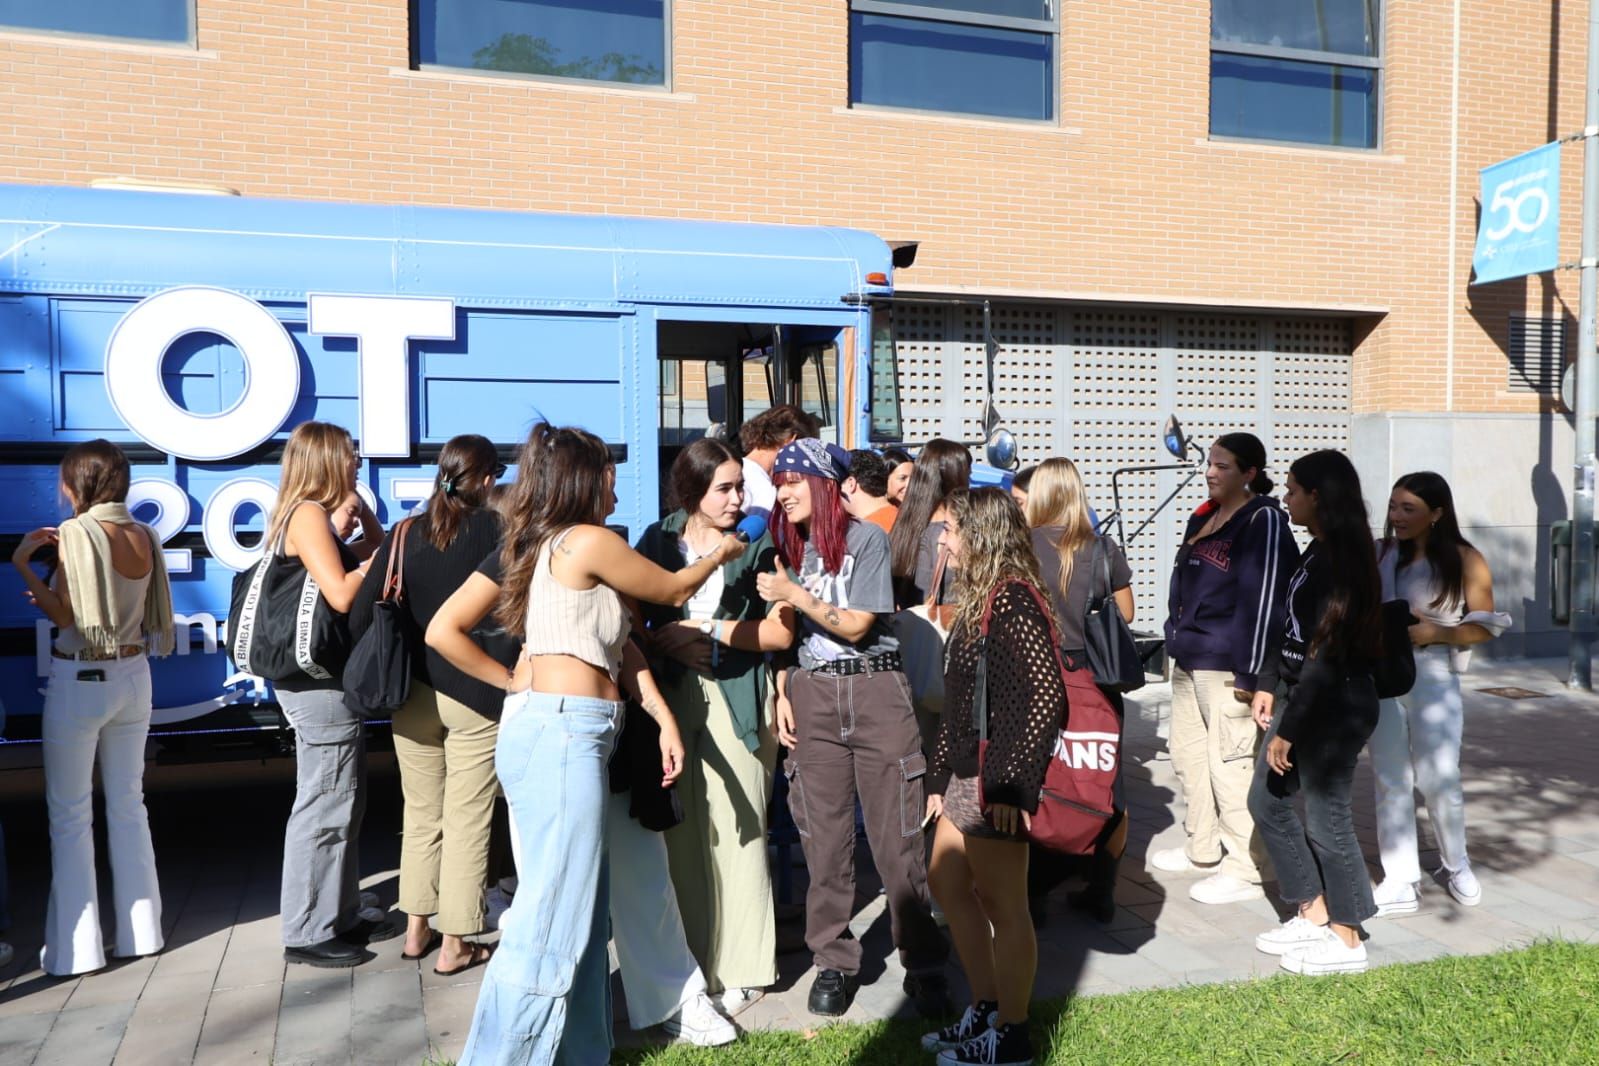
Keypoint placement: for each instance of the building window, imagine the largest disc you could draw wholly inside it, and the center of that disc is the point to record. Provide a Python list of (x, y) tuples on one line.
[(622, 41), (167, 21), (1306, 71), (979, 57)]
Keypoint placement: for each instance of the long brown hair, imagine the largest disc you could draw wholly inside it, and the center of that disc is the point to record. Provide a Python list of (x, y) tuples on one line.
[(941, 467), (996, 547), (1445, 542), (1351, 613), (1055, 497), (561, 482), (95, 471), (461, 485), (319, 466)]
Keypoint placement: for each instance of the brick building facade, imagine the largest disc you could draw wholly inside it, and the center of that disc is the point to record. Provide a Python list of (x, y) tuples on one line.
[(1134, 262)]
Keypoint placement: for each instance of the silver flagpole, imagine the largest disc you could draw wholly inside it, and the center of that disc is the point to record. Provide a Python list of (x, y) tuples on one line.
[(1582, 497)]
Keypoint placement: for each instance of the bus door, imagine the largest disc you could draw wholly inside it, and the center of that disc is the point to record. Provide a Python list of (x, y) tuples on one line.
[(715, 376)]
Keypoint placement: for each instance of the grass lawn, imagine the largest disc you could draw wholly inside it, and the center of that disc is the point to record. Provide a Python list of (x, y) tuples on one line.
[(1534, 1006)]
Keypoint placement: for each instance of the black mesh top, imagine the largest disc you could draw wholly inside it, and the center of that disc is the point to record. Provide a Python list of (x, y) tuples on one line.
[(1026, 703)]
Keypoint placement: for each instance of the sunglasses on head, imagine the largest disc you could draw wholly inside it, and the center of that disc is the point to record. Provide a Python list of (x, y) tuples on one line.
[(499, 470)]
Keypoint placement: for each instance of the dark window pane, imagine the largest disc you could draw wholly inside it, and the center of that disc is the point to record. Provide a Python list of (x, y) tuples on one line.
[(941, 66), (1017, 9), (599, 40), (148, 20), (1282, 100), (1320, 25)]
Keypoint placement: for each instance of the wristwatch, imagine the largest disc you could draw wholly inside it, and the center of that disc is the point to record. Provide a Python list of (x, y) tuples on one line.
[(708, 627)]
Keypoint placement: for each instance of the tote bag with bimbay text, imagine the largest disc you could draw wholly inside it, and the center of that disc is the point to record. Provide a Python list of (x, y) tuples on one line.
[(280, 625)]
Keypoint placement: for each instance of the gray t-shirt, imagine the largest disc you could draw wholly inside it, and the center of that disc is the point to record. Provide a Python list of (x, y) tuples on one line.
[(926, 563), (863, 583), (1088, 579)]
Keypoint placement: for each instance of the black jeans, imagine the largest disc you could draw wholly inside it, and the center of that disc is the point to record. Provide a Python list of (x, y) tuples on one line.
[(1324, 856)]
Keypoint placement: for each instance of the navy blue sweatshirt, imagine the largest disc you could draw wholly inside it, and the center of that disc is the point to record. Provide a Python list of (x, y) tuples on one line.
[(1228, 592)]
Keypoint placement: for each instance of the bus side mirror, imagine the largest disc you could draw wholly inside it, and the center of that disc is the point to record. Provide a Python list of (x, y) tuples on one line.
[(1173, 437), (1001, 450)]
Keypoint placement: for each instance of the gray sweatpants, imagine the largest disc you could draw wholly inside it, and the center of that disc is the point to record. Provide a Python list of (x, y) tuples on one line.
[(321, 843)]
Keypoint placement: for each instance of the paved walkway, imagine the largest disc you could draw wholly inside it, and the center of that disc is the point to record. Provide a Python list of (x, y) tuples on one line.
[(221, 993)]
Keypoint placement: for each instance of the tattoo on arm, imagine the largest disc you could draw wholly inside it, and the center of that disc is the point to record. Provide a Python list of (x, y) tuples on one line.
[(832, 618)]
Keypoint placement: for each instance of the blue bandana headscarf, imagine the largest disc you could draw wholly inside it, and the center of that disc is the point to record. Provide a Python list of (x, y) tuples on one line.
[(807, 455)]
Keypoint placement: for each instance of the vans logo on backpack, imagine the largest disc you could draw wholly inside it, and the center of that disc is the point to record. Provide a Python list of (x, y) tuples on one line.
[(1087, 751)]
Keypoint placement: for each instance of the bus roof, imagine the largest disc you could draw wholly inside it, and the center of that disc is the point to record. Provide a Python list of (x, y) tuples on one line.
[(115, 242)]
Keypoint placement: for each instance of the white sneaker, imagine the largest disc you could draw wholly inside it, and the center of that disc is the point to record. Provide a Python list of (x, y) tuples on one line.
[(1328, 955), (696, 1022), (735, 1001), (1396, 897), (1296, 932), (1176, 861), (1224, 888), (1464, 886)]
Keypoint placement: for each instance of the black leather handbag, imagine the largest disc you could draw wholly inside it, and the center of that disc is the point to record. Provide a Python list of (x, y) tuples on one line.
[(280, 626), (1107, 639), (377, 679)]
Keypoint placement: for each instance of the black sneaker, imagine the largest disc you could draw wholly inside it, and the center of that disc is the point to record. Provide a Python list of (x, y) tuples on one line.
[(977, 1017), (1005, 1045), (831, 993), (929, 992), (369, 932)]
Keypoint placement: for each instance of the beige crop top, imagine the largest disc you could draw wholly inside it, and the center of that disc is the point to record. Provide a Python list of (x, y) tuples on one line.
[(587, 624), (130, 593)]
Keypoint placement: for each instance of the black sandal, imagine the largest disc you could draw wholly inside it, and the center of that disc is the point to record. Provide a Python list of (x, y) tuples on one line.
[(432, 944), (481, 953)]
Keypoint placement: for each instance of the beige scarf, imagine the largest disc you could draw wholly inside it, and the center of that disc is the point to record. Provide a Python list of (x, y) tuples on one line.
[(86, 559)]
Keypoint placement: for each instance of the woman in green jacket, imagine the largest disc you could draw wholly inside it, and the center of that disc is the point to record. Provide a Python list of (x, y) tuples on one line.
[(710, 659)]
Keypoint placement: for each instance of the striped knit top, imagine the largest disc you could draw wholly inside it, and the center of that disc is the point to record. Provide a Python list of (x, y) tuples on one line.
[(587, 624)]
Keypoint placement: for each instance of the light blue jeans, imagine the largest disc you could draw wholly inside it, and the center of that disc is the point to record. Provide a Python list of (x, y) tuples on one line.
[(546, 992)]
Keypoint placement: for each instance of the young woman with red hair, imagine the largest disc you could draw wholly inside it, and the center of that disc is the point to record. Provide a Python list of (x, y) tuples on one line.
[(845, 714)]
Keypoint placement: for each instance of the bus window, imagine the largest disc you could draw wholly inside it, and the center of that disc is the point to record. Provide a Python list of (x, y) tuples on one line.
[(818, 385), (885, 420)]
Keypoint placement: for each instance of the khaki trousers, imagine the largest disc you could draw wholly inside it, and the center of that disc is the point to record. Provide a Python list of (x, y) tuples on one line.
[(446, 755), (1213, 744), (718, 853)]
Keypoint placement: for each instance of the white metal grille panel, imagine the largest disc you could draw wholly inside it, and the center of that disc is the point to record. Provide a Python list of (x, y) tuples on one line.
[(1029, 378), (1097, 383), (921, 337)]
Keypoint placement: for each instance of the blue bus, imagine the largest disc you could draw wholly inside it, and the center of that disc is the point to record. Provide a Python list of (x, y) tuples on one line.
[(197, 331)]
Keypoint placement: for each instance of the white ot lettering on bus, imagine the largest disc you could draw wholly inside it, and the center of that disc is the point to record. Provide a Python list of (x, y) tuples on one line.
[(383, 327)]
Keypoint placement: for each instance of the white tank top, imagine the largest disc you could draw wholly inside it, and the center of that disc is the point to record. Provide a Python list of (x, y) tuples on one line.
[(587, 624), (1418, 585)]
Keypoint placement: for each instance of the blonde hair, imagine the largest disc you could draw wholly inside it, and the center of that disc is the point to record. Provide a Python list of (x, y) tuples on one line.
[(1055, 497), (317, 465), (996, 547)]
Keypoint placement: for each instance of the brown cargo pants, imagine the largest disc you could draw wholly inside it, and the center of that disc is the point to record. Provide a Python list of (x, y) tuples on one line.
[(858, 734)]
